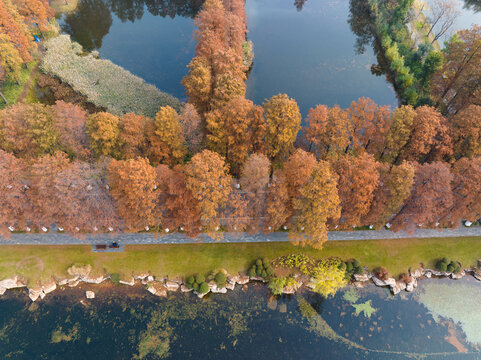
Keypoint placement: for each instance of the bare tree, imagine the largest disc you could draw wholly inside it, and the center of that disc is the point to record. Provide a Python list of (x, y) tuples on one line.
[(441, 17)]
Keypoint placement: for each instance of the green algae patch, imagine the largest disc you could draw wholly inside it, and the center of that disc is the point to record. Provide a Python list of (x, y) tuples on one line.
[(351, 296), (365, 308)]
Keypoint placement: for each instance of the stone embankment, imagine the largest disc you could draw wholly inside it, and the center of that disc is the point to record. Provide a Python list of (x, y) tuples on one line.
[(161, 287)]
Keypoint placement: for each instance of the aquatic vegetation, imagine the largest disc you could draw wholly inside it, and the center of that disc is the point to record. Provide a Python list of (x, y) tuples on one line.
[(457, 305), (238, 324), (365, 308), (104, 84), (351, 296), (156, 339), (319, 326), (59, 336)]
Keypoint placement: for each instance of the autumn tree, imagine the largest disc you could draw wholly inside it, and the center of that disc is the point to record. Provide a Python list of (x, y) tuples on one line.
[(198, 84), (467, 132), (43, 194), (430, 198), (192, 128), (418, 135), (178, 207), (11, 24), (83, 201), (132, 185), (28, 130), (103, 130), (327, 130), (35, 12), (235, 131), (457, 84), (466, 189), (208, 179), (13, 197), (318, 202), (167, 143), (283, 120), (277, 203), (297, 170), (235, 214), (369, 125), (254, 180), (395, 184), (133, 136), (358, 179), (10, 60), (70, 123)]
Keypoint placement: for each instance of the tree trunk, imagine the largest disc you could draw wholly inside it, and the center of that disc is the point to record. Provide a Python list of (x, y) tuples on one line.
[(3, 97)]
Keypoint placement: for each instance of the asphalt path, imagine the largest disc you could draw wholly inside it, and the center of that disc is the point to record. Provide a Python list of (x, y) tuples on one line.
[(56, 238)]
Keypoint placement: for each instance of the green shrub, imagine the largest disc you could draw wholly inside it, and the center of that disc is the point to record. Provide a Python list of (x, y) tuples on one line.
[(441, 266), (252, 272), (259, 262), (270, 271), (342, 266), (356, 264), (220, 278), (276, 285), (203, 288), (104, 84), (190, 280), (264, 274), (190, 286), (259, 270), (349, 267), (199, 279), (446, 260), (265, 262), (115, 278), (195, 286), (450, 268), (358, 270)]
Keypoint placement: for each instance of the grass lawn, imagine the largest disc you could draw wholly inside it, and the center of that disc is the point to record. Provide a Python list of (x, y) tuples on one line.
[(12, 90), (38, 263)]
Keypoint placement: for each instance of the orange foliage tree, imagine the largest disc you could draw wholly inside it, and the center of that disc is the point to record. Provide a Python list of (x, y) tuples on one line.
[(430, 199), (467, 132), (358, 179), (208, 179), (103, 130), (277, 203), (133, 135), (132, 185), (317, 204), (178, 207)]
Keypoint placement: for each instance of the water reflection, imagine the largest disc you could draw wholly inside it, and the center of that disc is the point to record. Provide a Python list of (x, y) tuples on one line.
[(474, 5), (92, 19)]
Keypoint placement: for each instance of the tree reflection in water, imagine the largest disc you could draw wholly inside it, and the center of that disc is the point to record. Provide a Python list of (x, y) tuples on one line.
[(474, 5), (97, 14)]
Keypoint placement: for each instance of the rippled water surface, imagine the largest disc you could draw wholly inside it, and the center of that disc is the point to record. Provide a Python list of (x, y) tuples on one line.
[(129, 323)]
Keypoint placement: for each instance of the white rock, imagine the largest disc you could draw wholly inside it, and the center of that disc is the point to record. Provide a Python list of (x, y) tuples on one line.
[(362, 277), (94, 280), (12, 283), (11, 228), (33, 295), (111, 228), (387, 282), (244, 279), (230, 286), (49, 287), (2, 290), (219, 290), (184, 288), (171, 285), (428, 274), (44, 229), (90, 294), (398, 287), (232, 279), (129, 283), (150, 278), (42, 295), (73, 283), (28, 229), (468, 223), (167, 230), (416, 273)]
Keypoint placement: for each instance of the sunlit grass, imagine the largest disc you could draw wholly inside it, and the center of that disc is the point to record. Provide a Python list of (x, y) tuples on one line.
[(397, 255)]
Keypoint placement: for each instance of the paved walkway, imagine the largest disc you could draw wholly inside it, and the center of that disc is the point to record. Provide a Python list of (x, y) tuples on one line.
[(147, 238)]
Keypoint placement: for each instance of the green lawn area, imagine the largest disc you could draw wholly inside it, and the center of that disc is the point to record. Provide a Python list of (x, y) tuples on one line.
[(40, 262), (12, 90)]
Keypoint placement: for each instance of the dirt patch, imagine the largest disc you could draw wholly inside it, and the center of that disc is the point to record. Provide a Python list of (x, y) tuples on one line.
[(452, 338)]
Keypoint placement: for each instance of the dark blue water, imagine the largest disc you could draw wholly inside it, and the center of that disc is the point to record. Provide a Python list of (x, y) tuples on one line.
[(129, 323)]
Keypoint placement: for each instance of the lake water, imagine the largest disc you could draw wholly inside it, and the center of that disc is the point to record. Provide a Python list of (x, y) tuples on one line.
[(129, 323)]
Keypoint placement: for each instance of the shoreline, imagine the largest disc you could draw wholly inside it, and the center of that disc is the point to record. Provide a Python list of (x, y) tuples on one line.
[(161, 287)]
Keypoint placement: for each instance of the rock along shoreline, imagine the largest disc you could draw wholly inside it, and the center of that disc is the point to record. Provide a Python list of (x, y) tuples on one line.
[(161, 286)]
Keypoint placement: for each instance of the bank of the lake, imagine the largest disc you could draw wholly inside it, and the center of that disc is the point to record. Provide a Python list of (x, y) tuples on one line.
[(39, 263)]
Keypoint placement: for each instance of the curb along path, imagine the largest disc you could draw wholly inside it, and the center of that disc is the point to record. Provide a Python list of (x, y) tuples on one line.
[(177, 238)]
